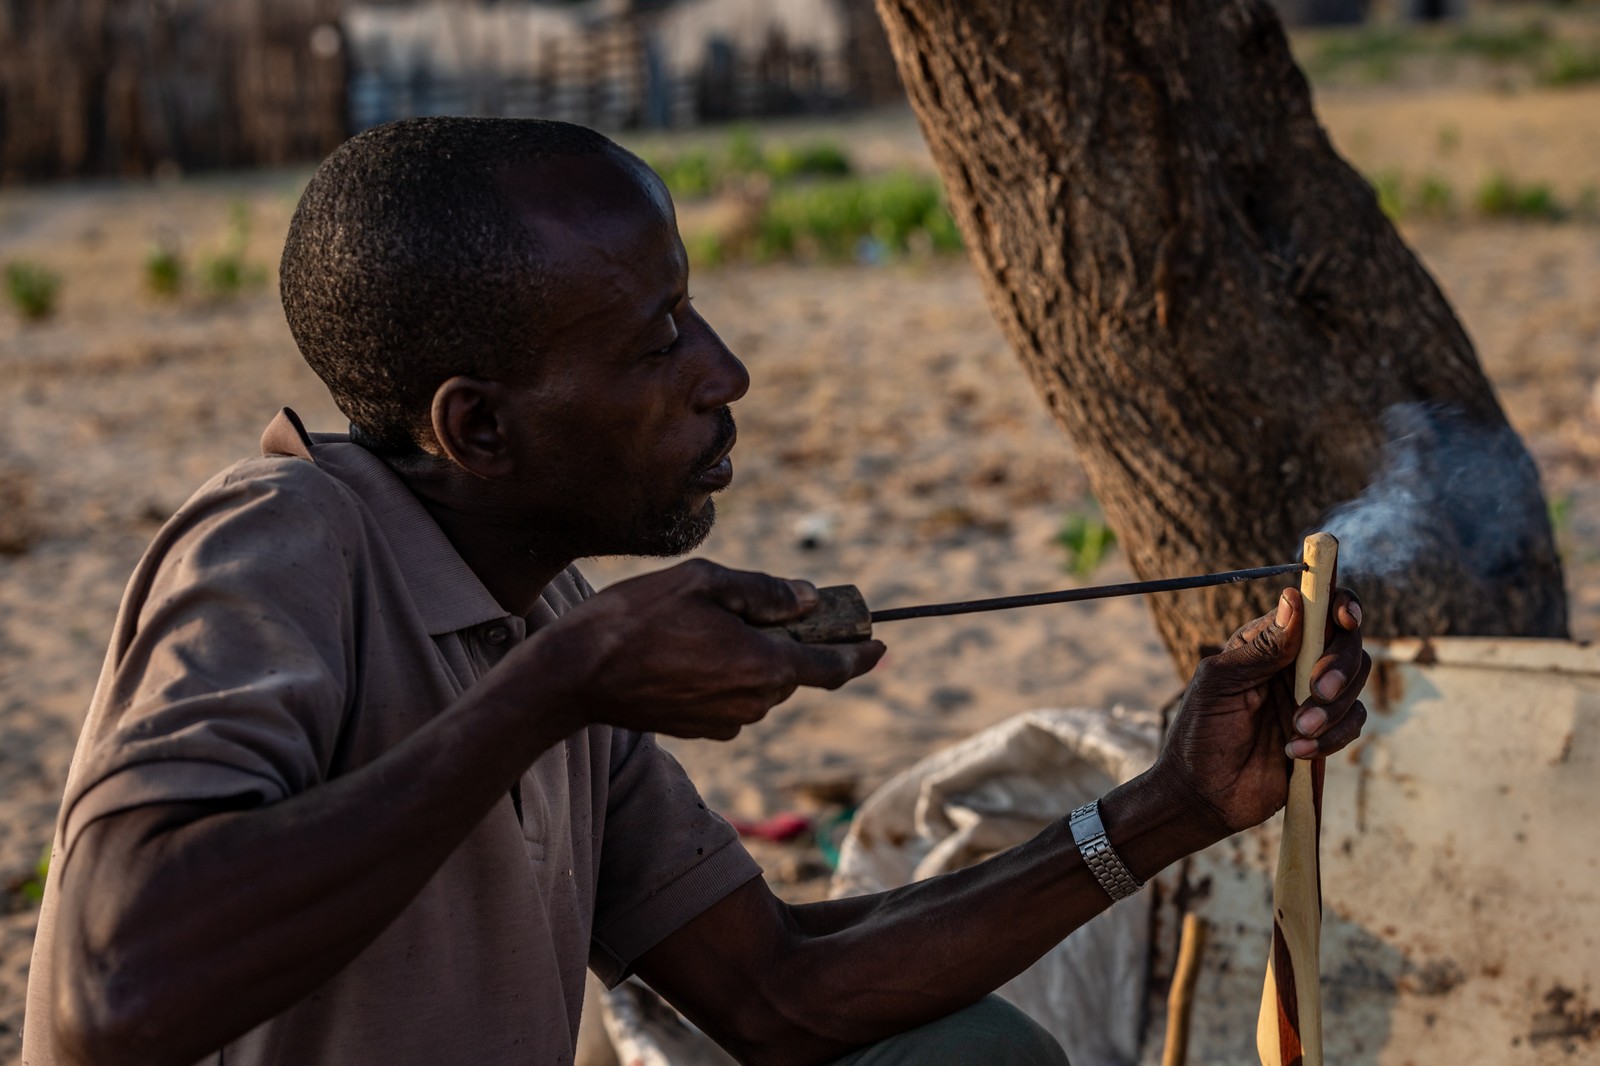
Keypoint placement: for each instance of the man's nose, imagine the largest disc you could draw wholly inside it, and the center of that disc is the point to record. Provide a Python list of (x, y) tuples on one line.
[(725, 379)]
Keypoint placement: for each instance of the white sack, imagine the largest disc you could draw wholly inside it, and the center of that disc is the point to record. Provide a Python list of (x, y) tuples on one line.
[(997, 789)]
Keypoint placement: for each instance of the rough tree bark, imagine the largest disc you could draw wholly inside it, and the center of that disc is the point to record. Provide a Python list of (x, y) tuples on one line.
[(1214, 308)]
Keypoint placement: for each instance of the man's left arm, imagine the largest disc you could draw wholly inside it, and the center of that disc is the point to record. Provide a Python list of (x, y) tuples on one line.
[(782, 984)]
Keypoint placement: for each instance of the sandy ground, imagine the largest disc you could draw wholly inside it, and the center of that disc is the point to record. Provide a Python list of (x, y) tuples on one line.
[(886, 410)]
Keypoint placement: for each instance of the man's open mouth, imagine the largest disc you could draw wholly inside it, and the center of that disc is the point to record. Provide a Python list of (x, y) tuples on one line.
[(718, 473)]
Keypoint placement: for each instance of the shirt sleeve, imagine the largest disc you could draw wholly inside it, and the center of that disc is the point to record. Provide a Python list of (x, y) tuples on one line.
[(664, 859), (227, 674)]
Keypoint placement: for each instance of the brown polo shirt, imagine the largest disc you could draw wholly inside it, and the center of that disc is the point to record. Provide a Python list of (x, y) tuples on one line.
[(300, 615)]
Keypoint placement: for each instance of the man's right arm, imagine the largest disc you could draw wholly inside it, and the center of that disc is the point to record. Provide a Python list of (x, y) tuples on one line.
[(183, 926)]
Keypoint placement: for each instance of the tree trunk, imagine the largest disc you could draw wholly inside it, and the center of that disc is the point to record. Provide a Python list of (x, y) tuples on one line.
[(1214, 308)]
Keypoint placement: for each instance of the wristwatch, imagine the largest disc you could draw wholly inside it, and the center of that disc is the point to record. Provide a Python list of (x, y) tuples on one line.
[(1090, 835)]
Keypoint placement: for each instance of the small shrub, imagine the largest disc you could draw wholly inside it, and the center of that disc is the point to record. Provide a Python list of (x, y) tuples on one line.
[(705, 250), (32, 289), (1560, 508), (744, 154), (1501, 44), (227, 274), (28, 890), (1435, 197), (1501, 196), (1388, 186), (163, 271), (690, 176), (1374, 50), (862, 218), (698, 174), (942, 231), (822, 159), (1497, 196), (1569, 65), (1087, 540)]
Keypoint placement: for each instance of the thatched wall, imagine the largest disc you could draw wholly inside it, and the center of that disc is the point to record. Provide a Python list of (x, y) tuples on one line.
[(134, 86), (616, 65), (130, 87)]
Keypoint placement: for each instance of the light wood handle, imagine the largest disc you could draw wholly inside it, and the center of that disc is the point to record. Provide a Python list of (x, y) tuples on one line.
[(1180, 1000), (1289, 1027)]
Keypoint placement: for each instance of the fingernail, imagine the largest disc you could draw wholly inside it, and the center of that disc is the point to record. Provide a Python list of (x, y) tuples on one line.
[(805, 592), (1355, 614), (1285, 612), (1311, 720), (1330, 684), (1300, 748)]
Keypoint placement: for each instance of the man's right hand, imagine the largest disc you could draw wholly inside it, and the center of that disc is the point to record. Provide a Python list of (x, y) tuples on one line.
[(679, 652)]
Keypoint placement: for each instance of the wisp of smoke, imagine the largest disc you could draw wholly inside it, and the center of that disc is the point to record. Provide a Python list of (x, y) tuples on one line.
[(1451, 494)]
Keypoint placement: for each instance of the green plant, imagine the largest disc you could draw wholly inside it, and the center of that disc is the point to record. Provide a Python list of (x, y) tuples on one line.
[(1086, 539), (697, 174), (1569, 65), (689, 176), (706, 250), (1501, 44), (1374, 50), (1560, 508), (821, 159), (862, 218), (227, 273), (744, 154), (1501, 196), (1435, 197), (32, 289), (1388, 185), (31, 888), (163, 271)]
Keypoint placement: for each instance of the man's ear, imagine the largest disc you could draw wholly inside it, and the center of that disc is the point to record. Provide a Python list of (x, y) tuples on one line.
[(468, 419)]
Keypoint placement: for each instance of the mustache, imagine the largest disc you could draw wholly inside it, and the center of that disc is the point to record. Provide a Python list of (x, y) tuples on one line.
[(727, 432)]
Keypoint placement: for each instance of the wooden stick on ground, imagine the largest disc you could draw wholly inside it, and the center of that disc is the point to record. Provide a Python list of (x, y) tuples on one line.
[(1289, 1027), (1180, 1001)]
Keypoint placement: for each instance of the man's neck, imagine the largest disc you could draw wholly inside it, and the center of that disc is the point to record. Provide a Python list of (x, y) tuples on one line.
[(492, 543)]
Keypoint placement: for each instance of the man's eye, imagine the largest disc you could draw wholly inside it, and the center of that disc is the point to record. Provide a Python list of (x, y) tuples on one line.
[(677, 334)]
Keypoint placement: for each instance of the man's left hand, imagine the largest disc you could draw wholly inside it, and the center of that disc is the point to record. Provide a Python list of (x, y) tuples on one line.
[(1238, 726)]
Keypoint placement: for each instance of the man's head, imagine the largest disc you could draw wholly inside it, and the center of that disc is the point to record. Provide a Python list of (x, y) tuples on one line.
[(509, 296)]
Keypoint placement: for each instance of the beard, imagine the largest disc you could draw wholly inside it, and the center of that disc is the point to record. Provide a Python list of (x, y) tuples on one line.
[(677, 533), (682, 527)]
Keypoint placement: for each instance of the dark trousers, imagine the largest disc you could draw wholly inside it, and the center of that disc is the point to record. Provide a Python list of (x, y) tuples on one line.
[(987, 1033)]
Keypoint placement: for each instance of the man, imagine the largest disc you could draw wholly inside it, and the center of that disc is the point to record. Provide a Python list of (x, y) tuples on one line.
[(369, 774)]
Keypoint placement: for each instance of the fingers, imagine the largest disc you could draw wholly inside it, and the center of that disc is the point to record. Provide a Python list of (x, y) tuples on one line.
[(831, 665), (1342, 658), (1319, 719), (1265, 646), (760, 599), (1346, 609), (1334, 739)]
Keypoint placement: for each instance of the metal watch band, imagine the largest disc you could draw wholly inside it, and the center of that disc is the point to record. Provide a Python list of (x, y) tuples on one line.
[(1090, 835)]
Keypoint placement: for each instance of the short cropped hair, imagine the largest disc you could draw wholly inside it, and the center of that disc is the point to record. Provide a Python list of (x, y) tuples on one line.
[(405, 265)]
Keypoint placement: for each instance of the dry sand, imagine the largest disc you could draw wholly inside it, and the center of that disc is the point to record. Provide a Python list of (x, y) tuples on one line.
[(885, 408)]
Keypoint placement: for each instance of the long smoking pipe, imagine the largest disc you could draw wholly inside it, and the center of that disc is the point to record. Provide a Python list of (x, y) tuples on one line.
[(842, 614), (1289, 1026)]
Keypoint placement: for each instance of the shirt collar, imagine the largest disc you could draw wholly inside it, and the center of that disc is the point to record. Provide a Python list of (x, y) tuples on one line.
[(447, 594)]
